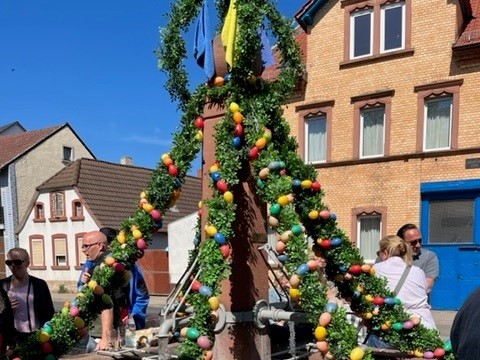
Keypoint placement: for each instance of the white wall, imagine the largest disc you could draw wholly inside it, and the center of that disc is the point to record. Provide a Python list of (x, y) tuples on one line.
[(181, 234), (47, 229)]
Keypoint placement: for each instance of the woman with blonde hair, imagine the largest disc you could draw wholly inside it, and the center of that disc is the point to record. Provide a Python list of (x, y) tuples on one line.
[(407, 281)]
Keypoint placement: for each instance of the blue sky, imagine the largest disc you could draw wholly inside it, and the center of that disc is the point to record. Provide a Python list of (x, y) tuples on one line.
[(90, 63)]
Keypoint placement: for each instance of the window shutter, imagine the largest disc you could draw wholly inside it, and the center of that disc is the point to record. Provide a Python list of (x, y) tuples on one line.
[(37, 253), (60, 246)]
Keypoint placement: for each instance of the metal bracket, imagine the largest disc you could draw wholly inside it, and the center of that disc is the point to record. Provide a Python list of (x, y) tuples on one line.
[(259, 306)]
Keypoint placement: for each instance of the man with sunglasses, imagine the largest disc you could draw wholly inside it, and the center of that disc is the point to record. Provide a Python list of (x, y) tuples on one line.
[(423, 258), (95, 248)]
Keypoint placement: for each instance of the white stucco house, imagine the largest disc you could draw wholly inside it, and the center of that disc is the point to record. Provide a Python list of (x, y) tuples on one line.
[(89, 194)]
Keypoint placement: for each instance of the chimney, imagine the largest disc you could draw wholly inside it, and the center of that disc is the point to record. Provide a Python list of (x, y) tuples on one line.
[(126, 160)]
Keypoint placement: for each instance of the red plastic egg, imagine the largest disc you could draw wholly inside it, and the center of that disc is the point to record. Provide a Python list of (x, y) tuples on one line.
[(254, 153), (222, 186), (316, 186), (238, 130), (225, 250), (199, 122), (355, 269), (196, 286), (172, 170)]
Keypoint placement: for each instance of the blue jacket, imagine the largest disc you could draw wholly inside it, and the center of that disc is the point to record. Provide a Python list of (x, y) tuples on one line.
[(138, 293)]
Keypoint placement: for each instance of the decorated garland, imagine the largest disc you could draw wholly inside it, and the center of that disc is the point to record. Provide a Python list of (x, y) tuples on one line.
[(252, 134)]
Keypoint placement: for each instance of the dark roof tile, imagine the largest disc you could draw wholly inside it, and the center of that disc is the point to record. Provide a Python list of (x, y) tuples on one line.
[(13, 146), (111, 191)]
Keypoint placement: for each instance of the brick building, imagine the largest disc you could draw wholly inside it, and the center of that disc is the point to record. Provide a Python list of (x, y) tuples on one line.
[(389, 117)]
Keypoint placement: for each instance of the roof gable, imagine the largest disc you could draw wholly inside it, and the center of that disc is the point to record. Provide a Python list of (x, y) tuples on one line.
[(111, 191), (4, 129), (14, 146)]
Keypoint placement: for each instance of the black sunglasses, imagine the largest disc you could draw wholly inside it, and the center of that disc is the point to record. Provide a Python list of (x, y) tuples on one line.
[(415, 242), (14, 262)]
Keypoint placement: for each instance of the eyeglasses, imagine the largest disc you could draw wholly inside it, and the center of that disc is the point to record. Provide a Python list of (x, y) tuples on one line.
[(415, 242), (15, 262), (87, 246)]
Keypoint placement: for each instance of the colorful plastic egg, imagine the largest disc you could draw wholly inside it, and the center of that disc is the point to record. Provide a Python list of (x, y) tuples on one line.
[(205, 290), (302, 269), (220, 238)]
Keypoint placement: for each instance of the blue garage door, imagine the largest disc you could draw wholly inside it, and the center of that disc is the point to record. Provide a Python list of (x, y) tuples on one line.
[(450, 228)]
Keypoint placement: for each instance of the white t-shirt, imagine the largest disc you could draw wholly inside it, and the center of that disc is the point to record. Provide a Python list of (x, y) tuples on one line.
[(413, 292)]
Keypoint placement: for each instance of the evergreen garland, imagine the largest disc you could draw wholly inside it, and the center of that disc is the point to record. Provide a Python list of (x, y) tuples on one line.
[(283, 181)]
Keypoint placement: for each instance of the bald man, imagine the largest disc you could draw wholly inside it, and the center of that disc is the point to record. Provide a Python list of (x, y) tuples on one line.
[(95, 248)]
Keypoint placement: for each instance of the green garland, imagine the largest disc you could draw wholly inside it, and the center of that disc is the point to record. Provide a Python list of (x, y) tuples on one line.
[(283, 181)]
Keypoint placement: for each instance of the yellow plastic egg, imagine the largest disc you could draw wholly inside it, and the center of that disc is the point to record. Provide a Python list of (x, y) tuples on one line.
[(357, 353), (147, 208), (137, 234), (234, 107), (283, 200), (210, 230), (306, 184), (214, 302), (320, 333), (228, 197), (261, 143)]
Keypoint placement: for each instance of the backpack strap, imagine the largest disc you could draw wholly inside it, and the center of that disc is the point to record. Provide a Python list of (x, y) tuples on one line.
[(402, 280)]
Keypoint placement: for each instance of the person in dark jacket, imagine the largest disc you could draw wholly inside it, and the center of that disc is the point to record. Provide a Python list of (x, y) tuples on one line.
[(29, 296), (465, 330), (7, 329)]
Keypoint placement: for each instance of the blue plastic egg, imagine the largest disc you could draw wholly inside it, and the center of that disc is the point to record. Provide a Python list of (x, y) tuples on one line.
[(220, 238), (215, 176), (333, 216), (296, 183), (303, 269), (389, 301), (177, 183), (336, 241), (283, 258), (330, 307), (343, 268), (274, 165), (196, 241), (159, 224), (282, 164), (205, 290), (237, 142)]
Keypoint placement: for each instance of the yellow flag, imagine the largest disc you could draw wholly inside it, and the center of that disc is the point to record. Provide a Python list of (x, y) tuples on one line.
[(229, 32)]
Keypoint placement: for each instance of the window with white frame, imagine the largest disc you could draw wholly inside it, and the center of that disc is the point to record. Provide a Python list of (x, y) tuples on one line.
[(376, 27), (438, 123), (316, 139), (372, 128), (361, 33), (392, 27), (369, 232), (60, 250)]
